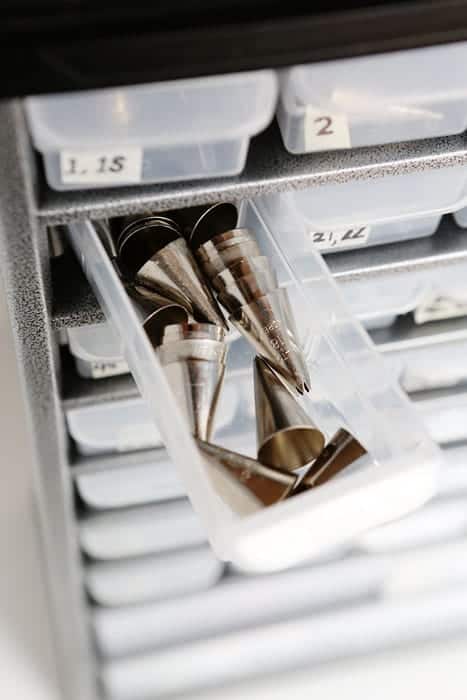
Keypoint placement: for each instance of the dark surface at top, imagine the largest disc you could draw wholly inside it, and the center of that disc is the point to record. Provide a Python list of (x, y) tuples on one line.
[(48, 46)]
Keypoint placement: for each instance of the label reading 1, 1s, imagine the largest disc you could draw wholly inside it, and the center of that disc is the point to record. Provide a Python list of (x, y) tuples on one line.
[(349, 237), (325, 131), (101, 167)]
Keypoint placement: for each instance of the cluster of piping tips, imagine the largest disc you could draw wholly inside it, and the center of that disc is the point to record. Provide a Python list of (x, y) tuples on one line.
[(189, 284)]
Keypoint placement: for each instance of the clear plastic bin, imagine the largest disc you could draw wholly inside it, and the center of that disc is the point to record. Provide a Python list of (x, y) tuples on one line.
[(444, 412), (368, 100), (98, 351), (461, 217), (373, 298), (123, 426), (114, 426), (143, 579), (429, 366), (351, 389), (131, 485), (133, 532), (151, 133), (370, 212)]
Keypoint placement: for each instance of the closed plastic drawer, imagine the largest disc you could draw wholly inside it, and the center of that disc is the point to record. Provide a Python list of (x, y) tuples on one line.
[(97, 350), (151, 133), (444, 412), (431, 366), (351, 390), (398, 96), (122, 426), (369, 212)]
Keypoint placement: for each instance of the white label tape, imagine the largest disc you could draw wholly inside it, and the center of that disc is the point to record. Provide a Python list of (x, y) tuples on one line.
[(325, 131), (99, 369), (348, 237), (100, 167), (439, 307)]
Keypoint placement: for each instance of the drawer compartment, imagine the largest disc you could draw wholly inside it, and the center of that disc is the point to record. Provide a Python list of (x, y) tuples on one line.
[(368, 100), (351, 389), (158, 132)]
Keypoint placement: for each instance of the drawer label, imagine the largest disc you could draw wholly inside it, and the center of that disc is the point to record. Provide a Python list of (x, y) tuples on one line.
[(325, 131), (439, 307), (101, 369), (340, 237), (100, 167)]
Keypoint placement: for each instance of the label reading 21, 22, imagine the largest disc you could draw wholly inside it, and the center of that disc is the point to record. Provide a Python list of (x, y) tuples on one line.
[(101, 167)]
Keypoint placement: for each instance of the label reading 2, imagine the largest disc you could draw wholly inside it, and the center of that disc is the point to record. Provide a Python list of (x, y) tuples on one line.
[(325, 131), (106, 167), (340, 238)]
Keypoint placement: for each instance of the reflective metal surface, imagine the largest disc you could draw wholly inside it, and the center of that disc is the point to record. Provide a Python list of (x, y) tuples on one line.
[(286, 436), (340, 452), (195, 367), (267, 484)]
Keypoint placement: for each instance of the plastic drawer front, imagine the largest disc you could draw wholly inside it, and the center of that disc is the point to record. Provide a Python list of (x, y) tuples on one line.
[(369, 100), (151, 133), (383, 209), (122, 426)]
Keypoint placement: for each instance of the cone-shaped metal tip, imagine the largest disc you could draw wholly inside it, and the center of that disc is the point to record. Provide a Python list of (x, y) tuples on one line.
[(268, 485), (141, 239), (195, 370), (219, 218), (173, 272), (340, 452), (213, 259), (265, 323), (286, 436)]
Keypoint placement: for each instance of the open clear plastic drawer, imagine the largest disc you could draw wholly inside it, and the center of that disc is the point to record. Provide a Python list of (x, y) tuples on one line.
[(369, 100), (369, 212), (151, 133), (350, 388)]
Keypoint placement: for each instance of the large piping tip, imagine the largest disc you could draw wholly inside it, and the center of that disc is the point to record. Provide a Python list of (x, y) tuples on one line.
[(152, 254), (340, 452), (215, 220), (286, 436), (269, 485), (266, 324), (194, 364)]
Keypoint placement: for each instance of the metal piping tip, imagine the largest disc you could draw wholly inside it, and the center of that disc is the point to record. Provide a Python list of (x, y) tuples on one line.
[(149, 298), (213, 261), (215, 220), (241, 268), (141, 239), (287, 438), (173, 271), (265, 324), (199, 349), (267, 484), (195, 370), (340, 452)]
